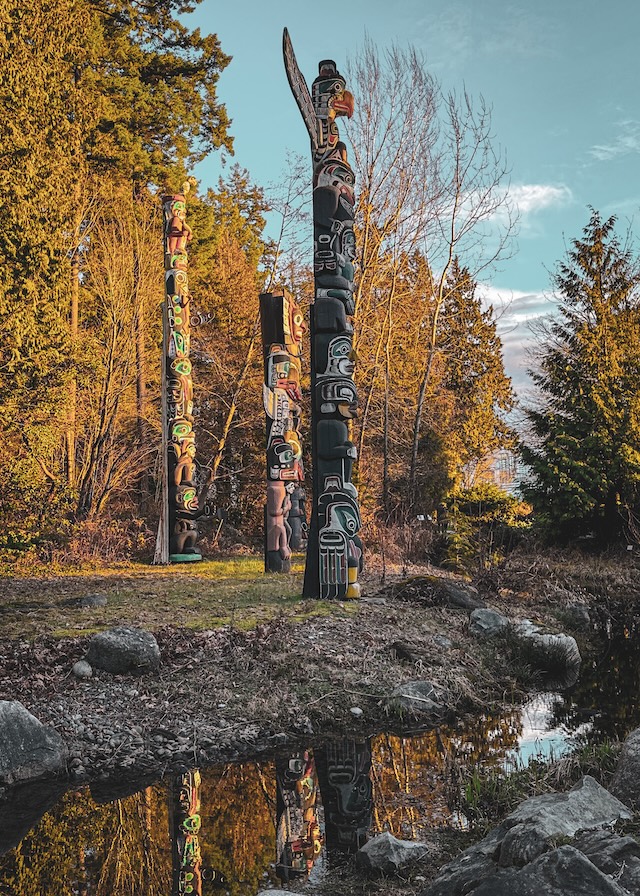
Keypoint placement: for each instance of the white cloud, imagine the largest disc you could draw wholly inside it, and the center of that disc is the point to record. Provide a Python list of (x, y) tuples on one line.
[(515, 312), (533, 198), (626, 141)]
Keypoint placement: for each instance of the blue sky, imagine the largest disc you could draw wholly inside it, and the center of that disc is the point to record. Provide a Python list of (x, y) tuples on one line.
[(562, 77)]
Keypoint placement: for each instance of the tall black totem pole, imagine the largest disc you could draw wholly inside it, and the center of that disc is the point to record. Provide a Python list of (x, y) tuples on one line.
[(334, 552)]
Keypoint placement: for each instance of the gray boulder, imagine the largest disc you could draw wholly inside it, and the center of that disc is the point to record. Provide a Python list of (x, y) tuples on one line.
[(120, 650), (526, 835), (578, 615), (386, 854), (487, 623), (587, 805), (625, 783), (419, 697), (555, 655), (459, 596), (82, 670), (29, 751), (617, 856), (562, 872)]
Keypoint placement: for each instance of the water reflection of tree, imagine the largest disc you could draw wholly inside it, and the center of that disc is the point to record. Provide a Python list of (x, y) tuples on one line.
[(417, 780), (134, 861), (238, 824), (115, 849), (607, 693)]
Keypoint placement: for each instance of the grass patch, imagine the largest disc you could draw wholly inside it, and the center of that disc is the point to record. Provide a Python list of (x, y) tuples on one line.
[(488, 795), (234, 591)]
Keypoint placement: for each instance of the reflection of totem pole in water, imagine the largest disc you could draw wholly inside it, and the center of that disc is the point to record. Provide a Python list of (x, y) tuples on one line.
[(345, 784), (334, 553), (282, 330), (298, 837), (185, 822), (181, 465)]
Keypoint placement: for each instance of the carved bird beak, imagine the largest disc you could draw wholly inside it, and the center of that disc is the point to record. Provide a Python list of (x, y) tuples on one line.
[(343, 104)]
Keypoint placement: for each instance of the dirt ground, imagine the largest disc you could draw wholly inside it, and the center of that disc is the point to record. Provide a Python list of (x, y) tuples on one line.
[(248, 667), (271, 675)]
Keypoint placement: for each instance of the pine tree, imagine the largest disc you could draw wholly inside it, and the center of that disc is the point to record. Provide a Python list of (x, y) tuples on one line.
[(474, 371), (584, 452), (103, 98)]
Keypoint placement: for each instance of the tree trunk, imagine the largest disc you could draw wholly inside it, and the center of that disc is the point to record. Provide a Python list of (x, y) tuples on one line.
[(141, 376), (70, 432)]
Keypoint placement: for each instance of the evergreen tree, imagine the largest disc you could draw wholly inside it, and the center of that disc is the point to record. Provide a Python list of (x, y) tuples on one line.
[(473, 371), (106, 101), (584, 454)]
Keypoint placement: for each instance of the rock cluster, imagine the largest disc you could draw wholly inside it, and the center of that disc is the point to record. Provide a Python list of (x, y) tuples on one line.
[(556, 655), (521, 854)]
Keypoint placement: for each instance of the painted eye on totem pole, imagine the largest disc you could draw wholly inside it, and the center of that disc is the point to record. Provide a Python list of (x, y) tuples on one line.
[(182, 366), (346, 519), (298, 324), (340, 348), (180, 430)]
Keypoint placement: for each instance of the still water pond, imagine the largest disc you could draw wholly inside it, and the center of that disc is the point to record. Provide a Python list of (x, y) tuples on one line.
[(240, 828)]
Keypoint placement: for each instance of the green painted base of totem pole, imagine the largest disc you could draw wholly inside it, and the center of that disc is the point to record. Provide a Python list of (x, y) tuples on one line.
[(184, 558)]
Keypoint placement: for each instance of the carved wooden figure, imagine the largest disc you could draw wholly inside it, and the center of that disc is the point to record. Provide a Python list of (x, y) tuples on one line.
[(282, 331), (334, 552), (183, 507)]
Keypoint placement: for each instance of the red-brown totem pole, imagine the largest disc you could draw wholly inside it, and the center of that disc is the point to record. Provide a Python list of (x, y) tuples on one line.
[(283, 326), (334, 552), (177, 540)]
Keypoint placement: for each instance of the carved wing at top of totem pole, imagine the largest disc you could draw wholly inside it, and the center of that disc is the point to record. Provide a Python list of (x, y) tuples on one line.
[(334, 552)]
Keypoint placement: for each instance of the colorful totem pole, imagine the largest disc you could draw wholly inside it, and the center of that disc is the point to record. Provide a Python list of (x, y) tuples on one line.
[(282, 330), (334, 552), (299, 839), (185, 823), (182, 496)]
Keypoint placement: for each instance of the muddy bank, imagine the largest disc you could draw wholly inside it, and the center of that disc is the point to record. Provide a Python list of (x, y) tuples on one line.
[(226, 694)]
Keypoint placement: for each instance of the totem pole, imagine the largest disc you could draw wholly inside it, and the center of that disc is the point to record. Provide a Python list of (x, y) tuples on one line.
[(181, 532), (334, 551), (185, 824), (299, 840), (282, 329), (344, 774)]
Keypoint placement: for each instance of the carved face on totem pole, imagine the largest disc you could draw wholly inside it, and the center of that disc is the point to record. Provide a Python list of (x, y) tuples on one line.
[(331, 99), (177, 287), (338, 359), (284, 458), (338, 395), (283, 372), (294, 326)]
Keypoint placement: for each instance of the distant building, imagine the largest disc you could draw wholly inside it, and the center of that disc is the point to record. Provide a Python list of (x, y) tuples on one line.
[(503, 468)]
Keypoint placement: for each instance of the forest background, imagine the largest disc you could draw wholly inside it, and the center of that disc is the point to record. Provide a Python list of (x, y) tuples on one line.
[(110, 103)]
